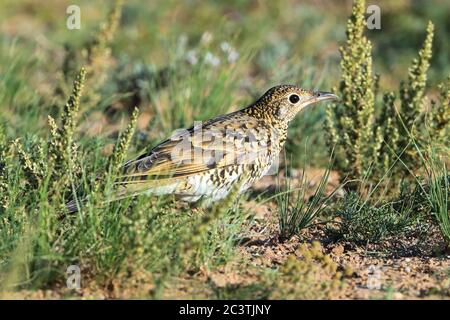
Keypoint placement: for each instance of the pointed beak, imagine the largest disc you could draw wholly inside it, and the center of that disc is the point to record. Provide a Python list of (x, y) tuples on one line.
[(322, 96)]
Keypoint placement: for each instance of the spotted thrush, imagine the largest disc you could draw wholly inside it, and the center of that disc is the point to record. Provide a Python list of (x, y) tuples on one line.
[(208, 159)]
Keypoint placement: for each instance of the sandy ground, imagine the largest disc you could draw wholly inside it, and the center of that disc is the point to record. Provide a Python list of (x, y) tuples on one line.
[(397, 268)]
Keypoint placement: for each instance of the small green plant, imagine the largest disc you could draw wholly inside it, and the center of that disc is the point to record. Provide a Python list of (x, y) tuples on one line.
[(295, 213), (412, 107), (361, 222), (55, 166), (120, 151), (351, 123), (426, 197), (439, 117), (32, 162), (62, 149), (371, 142)]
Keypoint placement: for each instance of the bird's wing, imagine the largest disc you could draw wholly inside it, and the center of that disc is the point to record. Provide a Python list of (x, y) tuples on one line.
[(225, 141)]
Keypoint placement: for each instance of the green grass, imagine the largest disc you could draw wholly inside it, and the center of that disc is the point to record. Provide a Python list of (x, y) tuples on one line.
[(438, 196), (295, 212)]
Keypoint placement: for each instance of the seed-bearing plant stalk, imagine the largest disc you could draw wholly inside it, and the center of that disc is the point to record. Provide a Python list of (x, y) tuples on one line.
[(370, 144), (105, 181), (351, 121), (412, 98), (32, 164), (62, 149), (439, 118), (3, 171), (118, 156)]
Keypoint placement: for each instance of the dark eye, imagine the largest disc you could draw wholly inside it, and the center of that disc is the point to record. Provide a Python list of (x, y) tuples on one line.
[(294, 98)]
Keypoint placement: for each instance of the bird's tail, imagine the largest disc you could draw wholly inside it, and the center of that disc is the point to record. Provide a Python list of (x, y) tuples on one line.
[(130, 189), (74, 205)]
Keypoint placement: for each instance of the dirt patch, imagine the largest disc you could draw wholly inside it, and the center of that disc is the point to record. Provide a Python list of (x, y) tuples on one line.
[(398, 268)]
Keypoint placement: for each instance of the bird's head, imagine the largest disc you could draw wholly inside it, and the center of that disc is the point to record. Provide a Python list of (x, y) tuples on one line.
[(285, 101)]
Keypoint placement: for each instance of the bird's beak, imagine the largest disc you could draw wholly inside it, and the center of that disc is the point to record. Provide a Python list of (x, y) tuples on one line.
[(322, 96)]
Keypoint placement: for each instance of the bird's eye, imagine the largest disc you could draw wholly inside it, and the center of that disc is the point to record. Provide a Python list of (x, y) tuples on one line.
[(294, 98)]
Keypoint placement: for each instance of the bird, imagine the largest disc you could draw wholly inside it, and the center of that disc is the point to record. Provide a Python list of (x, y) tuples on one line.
[(206, 161)]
